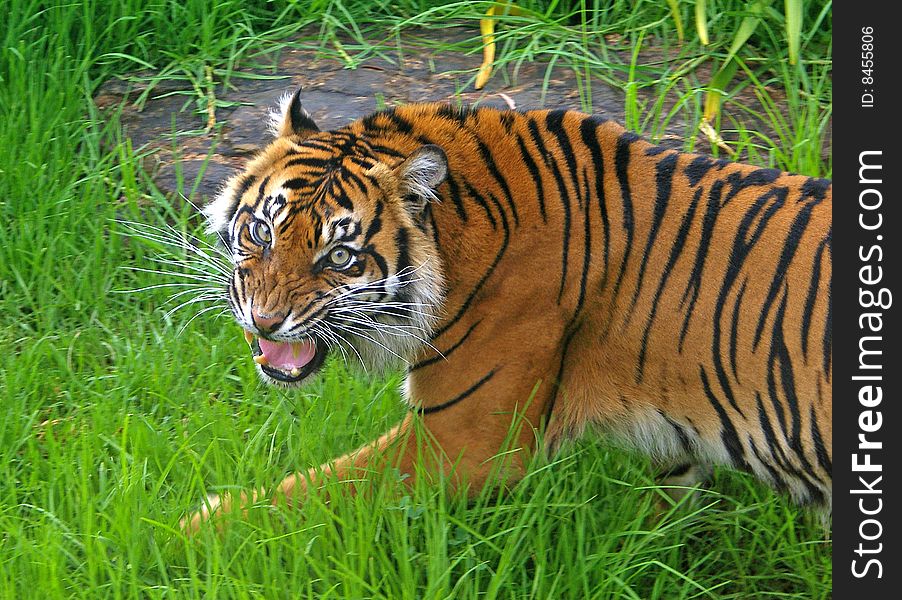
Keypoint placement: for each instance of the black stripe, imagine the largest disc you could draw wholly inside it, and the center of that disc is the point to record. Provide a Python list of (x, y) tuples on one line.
[(364, 163), (533, 169), (728, 434), (682, 434), (767, 462), (772, 393), (466, 305), (456, 114), (823, 457), (400, 123), (444, 355), (489, 159), (507, 120), (313, 162), (246, 183), (352, 177), (550, 164), (621, 164), (779, 357), (375, 225), (454, 191), (428, 410), (554, 121), (296, 183), (790, 246), (589, 133), (756, 178), (742, 247), (664, 171), (572, 330), (379, 149), (340, 195), (321, 145), (816, 188), (475, 195), (402, 243), (734, 329), (675, 251), (697, 169), (777, 455), (261, 189), (695, 277), (307, 321), (380, 261), (813, 289), (587, 248)]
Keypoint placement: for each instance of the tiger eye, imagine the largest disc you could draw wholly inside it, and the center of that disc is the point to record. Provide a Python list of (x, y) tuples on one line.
[(261, 234), (340, 257)]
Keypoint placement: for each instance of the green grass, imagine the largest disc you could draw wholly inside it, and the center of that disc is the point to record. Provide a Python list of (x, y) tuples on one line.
[(116, 420)]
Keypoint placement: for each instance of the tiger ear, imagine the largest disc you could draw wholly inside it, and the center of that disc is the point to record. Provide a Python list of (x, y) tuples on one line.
[(421, 173), (292, 119)]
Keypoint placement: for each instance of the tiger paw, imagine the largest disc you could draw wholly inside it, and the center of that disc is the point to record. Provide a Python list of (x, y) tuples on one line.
[(680, 484), (216, 506), (212, 505)]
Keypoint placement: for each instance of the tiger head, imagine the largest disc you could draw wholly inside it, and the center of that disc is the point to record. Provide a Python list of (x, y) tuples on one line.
[(332, 248)]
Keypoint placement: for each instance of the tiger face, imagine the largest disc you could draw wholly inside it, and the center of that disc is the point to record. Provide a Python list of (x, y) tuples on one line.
[(333, 250)]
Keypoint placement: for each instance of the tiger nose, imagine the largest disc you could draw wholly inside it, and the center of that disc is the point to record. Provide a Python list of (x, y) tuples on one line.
[(267, 323)]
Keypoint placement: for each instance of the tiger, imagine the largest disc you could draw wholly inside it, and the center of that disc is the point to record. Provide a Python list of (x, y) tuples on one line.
[(541, 266)]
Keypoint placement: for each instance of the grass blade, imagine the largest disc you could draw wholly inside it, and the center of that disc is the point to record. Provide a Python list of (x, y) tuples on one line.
[(701, 21), (677, 20), (793, 28)]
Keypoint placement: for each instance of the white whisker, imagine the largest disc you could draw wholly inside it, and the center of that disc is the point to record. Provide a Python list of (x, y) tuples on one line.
[(205, 291), (356, 331), (202, 266), (192, 276), (162, 285), (391, 329), (203, 298), (197, 314)]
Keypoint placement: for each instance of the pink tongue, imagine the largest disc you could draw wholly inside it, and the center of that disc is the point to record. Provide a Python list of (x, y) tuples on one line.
[(288, 356)]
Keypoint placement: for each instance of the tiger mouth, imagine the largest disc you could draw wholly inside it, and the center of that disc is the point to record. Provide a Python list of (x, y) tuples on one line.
[(287, 362)]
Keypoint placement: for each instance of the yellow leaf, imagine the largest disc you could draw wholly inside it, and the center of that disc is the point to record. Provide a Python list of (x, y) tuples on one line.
[(717, 89), (701, 21), (677, 20), (487, 29), (715, 138)]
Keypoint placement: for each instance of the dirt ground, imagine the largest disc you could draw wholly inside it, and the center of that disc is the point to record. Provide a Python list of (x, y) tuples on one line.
[(185, 155)]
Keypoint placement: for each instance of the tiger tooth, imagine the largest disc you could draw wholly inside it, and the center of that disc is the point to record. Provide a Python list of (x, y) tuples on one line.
[(295, 372), (261, 360), (295, 350), (249, 337)]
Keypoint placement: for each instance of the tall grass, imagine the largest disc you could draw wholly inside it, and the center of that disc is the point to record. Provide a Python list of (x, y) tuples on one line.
[(115, 420)]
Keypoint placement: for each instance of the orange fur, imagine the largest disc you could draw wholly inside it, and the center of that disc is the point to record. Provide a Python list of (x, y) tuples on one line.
[(692, 321)]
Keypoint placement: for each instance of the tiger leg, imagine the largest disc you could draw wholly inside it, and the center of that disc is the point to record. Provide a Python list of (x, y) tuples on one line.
[(438, 445), (678, 479), (293, 488), (433, 451), (469, 431)]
